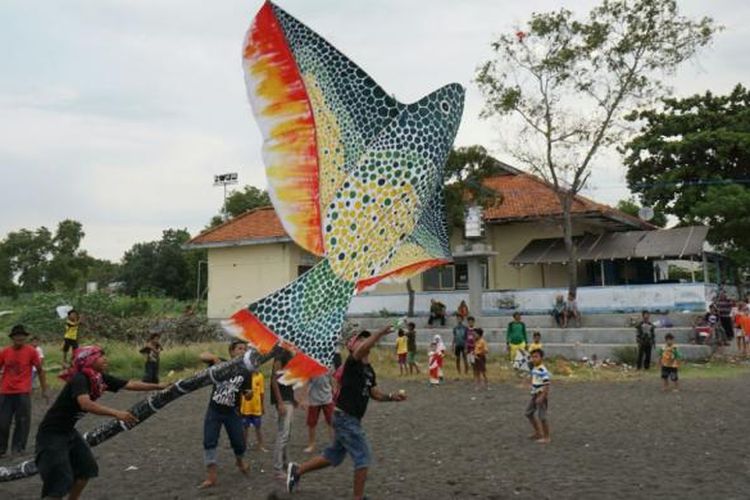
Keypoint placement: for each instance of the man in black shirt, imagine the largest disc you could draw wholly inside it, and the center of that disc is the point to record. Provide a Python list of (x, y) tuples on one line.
[(358, 385), (223, 410), (63, 457)]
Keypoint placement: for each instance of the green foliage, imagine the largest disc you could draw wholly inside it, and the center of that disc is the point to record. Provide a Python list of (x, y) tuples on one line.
[(465, 171), (631, 207), (691, 160), (37, 260), (106, 316), (162, 267), (626, 354), (727, 210), (239, 202)]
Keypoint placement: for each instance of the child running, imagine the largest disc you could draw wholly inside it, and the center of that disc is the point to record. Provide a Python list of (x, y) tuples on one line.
[(669, 360), (402, 350), (251, 409), (480, 358), (152, 352), (536, 411)]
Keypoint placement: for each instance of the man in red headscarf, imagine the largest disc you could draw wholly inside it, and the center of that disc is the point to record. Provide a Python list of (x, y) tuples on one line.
[(63, 457)]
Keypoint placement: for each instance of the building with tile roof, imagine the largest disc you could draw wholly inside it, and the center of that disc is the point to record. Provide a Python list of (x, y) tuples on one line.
[(250, 255)]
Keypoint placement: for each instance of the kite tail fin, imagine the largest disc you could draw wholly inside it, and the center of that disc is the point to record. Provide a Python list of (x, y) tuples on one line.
[(304, 317)]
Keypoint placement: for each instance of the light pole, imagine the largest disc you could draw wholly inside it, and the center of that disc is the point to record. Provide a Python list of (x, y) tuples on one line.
[(225, 180)]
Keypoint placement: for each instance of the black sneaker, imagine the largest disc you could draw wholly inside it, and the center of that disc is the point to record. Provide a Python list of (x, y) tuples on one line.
[(292, 477)]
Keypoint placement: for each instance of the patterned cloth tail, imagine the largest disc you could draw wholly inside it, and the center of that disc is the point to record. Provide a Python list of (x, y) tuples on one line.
[(304, 317)]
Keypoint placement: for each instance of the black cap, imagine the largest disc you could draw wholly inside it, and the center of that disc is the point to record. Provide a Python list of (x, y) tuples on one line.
[(18, 330)]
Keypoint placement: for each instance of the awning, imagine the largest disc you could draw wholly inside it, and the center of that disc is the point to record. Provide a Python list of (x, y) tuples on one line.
[(677, 243)]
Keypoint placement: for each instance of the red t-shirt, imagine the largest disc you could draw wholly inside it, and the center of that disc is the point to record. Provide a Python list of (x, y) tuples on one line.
[(16, 365)]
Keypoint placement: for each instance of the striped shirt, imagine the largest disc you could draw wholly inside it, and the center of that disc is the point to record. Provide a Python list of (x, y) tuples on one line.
[(539, 378)]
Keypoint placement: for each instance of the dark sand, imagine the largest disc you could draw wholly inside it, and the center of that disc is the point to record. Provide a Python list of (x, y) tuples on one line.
[(610, 440)]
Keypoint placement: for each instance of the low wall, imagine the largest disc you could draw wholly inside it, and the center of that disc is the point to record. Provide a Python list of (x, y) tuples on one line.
[(593, 299)]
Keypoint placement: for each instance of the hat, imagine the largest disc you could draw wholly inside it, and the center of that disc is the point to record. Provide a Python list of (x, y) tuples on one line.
[(18, 330)]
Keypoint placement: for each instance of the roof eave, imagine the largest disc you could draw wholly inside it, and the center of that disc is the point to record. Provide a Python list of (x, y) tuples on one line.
[(236, 243)]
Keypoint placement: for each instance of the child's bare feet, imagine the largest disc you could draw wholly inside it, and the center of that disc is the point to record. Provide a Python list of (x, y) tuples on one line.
[(535, 437), (208, 483), (543, 440), (309, 449), (242, 466)]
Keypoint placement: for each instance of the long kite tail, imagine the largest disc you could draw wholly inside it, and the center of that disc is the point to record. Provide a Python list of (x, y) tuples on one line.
[(149, 406)]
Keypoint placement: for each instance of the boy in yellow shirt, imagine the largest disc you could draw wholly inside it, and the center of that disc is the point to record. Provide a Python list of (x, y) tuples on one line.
[(70, 338), (402, 349), (480, 358), (669, 360), (536, 342), (251, 408)]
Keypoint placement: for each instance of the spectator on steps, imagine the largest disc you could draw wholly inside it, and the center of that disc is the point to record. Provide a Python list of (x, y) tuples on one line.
[(437, 312), (571, 310), (645, 337), (558, 311)]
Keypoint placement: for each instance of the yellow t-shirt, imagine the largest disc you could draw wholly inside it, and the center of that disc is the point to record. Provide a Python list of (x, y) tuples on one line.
[(480, 348), (71, 330), (254, 405), (401, 347), (535, 346)]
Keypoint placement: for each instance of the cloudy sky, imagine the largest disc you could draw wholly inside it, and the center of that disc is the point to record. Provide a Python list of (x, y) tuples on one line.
[(117, 113)]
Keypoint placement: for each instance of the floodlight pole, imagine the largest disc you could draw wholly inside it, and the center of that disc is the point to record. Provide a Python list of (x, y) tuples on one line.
[(225, 180)]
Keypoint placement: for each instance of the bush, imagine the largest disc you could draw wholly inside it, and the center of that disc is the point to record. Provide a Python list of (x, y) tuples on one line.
[(626, 354)]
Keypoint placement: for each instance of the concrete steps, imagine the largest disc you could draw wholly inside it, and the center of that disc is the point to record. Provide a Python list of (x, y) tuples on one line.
[(540, 321), (683, 335), (578, 351)]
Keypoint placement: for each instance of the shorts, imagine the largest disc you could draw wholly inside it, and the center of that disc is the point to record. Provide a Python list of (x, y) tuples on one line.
[(251, 420), (313, 413), (69, 344), (458, 350), (349, 438), (411, 357), (61, 459), (402, 359), (669, 373), (513, 350), (480, 364), (539, 408)]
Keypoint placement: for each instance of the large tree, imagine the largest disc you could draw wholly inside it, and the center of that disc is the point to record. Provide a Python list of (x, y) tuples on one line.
[(631, 207), (568, 80), (161, 267), (692, 159), (465, 171)]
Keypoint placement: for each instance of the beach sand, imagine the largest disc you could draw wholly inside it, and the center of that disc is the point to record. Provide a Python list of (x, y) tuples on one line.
[(609, 440)]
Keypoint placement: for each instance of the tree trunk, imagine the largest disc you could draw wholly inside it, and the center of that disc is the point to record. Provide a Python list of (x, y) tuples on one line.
[(410, 308), (566, 200)]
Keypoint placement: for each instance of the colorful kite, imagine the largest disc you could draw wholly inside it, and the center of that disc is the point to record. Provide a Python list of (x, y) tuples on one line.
[(355, 176)]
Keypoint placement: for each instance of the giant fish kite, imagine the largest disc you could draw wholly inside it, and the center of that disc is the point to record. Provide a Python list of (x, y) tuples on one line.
[(355, 176)]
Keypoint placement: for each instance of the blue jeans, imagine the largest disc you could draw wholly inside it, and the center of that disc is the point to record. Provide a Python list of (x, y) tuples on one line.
[(232, 422), (349, 437)]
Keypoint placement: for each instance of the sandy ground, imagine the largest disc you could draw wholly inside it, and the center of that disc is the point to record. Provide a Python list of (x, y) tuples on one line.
[(610, 440)]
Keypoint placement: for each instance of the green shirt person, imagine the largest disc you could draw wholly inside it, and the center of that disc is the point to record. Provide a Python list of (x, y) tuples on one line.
[(515, 336)]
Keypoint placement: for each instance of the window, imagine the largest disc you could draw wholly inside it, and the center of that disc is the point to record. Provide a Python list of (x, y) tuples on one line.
[(462, 275), (439, 278)]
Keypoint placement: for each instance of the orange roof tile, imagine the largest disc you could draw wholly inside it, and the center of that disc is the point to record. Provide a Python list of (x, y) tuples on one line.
[(525, 196), (256, 225)]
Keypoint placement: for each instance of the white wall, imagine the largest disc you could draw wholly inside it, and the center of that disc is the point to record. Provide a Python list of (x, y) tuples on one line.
[(626, 298)]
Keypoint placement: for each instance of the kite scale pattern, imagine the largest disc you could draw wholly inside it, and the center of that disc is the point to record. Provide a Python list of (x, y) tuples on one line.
[(354, 175)]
